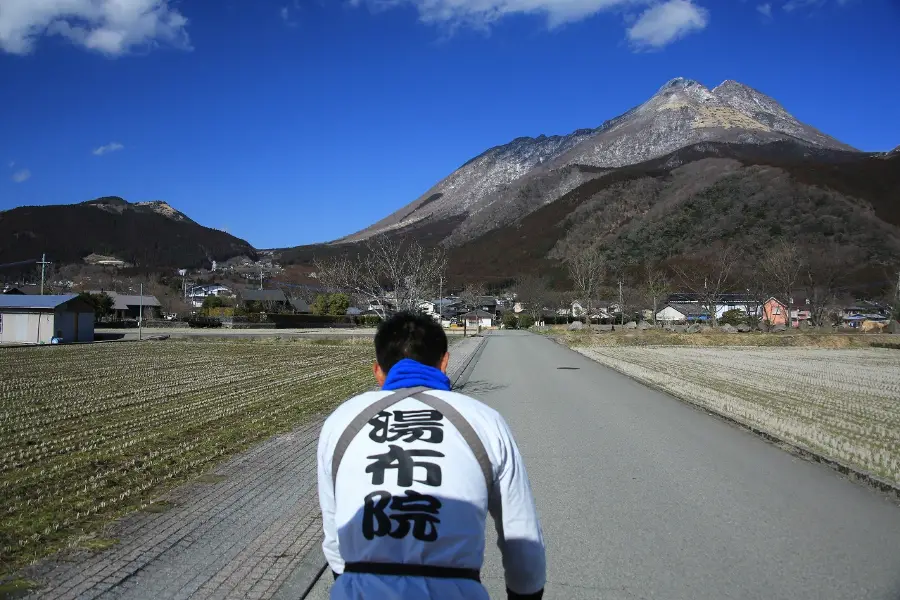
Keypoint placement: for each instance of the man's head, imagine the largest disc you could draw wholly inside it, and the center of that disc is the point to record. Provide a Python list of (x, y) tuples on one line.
[(409, 335)]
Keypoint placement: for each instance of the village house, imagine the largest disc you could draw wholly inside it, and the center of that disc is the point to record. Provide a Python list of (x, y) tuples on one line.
[(268, 300), (487, 304), (682, 313), (745, 303), (23, 290), (600, 311), (28, 319), (129, 306), (775, 311), (198, 294), (478, 318), (861, 311)]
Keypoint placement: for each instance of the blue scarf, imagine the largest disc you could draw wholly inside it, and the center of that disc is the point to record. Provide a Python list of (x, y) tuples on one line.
[(409, 373)]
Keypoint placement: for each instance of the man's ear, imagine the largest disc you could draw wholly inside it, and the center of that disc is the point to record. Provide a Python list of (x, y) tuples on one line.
[(444, 362), (379, 373)]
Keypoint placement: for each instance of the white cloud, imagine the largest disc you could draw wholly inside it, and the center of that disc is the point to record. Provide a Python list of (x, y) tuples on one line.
[(21, 175), (285, 13), (110, 147), (765, 10), (480, 14), (111, 27), (792, 5), (664, 23), (812, 5)]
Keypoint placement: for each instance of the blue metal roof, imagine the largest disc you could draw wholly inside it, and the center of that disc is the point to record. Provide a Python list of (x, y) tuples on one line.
[(39, 302)]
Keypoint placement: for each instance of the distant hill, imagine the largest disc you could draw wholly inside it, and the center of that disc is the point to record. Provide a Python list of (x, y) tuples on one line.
[(144, 234)]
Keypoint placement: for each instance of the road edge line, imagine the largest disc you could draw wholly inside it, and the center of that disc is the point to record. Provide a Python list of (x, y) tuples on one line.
[(466, 371)]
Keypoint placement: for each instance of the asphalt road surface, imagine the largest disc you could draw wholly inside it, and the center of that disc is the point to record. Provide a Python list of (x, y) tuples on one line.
[(642, 496)]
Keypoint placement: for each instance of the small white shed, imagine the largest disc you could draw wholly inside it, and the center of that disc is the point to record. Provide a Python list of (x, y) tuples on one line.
[(478, 318), (38, 319)]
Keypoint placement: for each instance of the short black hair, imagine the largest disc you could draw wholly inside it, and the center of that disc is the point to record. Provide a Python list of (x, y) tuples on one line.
[(410, 335)]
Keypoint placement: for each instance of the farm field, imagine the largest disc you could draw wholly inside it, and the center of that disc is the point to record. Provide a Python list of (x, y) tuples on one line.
[(88, 433), (844, 404)]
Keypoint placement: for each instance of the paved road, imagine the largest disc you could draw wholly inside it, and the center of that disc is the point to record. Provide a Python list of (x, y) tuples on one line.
[(642, 496)]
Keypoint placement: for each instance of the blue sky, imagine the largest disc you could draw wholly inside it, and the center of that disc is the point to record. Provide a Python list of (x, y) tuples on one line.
[(297, 121)]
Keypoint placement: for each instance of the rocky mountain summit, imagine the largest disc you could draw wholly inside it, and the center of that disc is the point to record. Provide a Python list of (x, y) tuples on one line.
[(117, 205), (509, 181)]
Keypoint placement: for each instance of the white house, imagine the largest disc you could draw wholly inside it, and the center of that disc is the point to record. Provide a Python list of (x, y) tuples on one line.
[(725, 302), (478, 318), (199, 293), (680, 313)]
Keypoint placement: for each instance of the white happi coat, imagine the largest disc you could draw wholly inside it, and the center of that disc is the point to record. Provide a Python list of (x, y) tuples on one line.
[(410, 490)]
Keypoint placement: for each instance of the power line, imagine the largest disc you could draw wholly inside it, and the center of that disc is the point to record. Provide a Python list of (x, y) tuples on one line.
[(30, 261)]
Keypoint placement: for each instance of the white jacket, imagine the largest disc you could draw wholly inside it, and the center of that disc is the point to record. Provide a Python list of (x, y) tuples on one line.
[(410, 490)]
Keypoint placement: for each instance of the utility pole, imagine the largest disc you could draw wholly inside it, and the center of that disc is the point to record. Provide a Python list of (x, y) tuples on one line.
[(141, 315), (441, 300), (898, 291), (621, 305), (897, 300), (43, 264)]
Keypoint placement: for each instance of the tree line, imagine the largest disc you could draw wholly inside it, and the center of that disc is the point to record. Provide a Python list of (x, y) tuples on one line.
[(405, 272)]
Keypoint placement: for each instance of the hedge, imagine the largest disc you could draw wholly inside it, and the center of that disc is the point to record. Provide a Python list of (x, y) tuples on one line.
[(204, 322), (288, 321)]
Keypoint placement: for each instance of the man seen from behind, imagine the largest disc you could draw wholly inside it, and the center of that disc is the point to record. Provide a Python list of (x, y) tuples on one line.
[(408, 474)]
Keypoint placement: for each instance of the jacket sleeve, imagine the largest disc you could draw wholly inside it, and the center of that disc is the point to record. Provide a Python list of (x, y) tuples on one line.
[(519, 534), (327, 502)]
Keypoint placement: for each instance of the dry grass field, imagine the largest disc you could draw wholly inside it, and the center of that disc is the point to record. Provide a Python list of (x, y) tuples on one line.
[(842, 403), (651, 337), (89, 432)]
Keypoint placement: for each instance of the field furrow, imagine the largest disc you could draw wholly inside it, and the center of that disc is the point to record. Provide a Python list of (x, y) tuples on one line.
[(90, 432)]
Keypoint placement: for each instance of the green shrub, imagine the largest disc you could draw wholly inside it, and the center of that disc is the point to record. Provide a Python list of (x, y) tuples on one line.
[(525, 321), (330, 304), (368, 320), (734, 317), (510, 320), (200, 321), (102, 303)]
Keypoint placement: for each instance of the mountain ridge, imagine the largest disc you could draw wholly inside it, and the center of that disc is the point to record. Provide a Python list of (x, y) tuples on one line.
[(682, 112), (146, 234)]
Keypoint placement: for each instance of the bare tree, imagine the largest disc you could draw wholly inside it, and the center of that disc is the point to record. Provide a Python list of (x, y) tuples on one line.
[(534, 292), (562, 300), (587, 268), (387, 269), (471, 294), (708, 279), (782, 264), (822, 278), (656, 287)]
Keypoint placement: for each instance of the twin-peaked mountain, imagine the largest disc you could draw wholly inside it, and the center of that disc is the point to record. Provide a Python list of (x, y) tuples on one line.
[(686, 168)]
